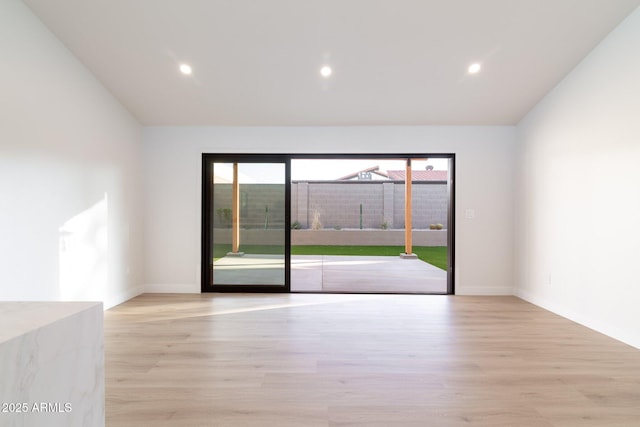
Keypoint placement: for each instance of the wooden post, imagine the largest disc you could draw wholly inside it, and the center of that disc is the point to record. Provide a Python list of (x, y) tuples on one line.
[(235, 212), (408, 243)]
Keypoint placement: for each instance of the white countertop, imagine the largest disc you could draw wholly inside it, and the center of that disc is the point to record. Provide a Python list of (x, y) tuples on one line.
[(20, 317)]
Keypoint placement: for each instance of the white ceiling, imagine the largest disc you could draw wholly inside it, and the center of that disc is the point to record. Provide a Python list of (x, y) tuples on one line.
[(396, 62)]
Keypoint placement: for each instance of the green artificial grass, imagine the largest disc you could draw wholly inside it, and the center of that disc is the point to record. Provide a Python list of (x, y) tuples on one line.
[(434, 255)]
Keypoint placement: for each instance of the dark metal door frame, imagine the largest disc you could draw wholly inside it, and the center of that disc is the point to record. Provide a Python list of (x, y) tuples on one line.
[(207, 256), (207, 163)]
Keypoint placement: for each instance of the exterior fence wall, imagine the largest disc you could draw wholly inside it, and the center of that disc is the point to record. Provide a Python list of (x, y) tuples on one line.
[(261, 205), (337, 204), (334, 237)]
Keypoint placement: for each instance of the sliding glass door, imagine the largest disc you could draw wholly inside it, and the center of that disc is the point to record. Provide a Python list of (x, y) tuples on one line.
[(376, 223), (371, 224), (246, 223)]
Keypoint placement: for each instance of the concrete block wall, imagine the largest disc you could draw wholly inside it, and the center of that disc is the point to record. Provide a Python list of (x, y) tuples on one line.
[(382, 202), (339, 205), (430, 205), (253, 199), (330, 237), (337, 202), (274, 237)]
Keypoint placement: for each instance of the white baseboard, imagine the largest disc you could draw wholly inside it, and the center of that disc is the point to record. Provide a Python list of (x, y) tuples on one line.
[(584, 320), (123, 296), (486, 290), (172, 288)]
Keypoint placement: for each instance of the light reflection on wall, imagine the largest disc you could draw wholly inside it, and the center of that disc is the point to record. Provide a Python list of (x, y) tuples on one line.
[(83, 254)]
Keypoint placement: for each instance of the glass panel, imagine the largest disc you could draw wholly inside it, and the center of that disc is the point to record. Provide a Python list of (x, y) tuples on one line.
[(248, 203), (349, 225)]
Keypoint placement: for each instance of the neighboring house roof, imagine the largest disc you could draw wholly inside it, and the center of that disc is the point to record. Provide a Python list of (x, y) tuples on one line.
[(399, 175), (419, 175), (374, 169)]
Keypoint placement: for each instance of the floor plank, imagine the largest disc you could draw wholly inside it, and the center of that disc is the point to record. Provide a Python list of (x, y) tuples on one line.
[(360, 360)]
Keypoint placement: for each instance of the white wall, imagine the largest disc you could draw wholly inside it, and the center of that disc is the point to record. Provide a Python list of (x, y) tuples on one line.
[(578, 238), (69, 180), (172, 180)]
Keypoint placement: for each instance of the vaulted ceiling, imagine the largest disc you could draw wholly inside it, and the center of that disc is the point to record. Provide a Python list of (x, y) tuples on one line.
[(394, 62)]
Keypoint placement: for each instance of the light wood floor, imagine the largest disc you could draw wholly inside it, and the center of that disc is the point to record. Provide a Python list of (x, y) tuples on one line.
[(361, 360)]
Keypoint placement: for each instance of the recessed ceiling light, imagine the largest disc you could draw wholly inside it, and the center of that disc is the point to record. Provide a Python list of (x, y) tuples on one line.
[(474, 68), (185, 69), (326, 71)]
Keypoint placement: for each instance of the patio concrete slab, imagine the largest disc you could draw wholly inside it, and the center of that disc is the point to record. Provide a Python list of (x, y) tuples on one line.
[(334, 273), (367, 274), (306, 273), (249, 269)]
